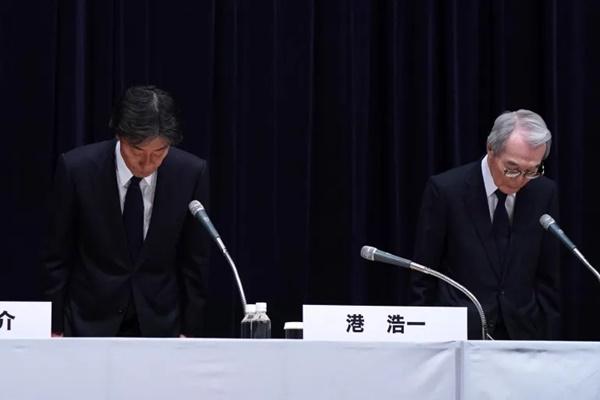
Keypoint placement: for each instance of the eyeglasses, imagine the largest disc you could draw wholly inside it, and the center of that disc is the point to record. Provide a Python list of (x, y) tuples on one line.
[(515, 173)]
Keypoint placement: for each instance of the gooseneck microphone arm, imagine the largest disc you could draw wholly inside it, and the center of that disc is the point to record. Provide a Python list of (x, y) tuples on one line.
[(433, 272), (198, 211), (586, 263), (373, 254), (237, 277), (549, 224)]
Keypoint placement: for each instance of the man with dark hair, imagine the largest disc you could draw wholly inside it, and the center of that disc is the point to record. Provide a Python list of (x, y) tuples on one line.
[(123, 256), (479, 225)]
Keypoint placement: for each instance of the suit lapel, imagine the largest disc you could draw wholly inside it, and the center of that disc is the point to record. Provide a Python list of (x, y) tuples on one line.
[(476, 202), (109, 193), (524, 204)]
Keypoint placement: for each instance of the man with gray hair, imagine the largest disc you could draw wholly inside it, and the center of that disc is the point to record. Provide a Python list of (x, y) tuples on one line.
[(478, 225)]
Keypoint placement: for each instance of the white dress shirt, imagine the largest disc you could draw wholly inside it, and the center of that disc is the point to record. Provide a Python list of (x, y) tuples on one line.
[(147, 186), (490, 189)]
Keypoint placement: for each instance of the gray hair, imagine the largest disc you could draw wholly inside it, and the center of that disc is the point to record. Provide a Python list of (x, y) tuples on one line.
[(534, 130)]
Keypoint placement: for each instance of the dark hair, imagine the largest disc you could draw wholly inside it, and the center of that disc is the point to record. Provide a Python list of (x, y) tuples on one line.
[(144, 112)]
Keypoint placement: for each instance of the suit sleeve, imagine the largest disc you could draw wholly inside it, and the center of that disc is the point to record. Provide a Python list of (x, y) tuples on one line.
[(58, 244), (429, 244), (193, 260), (548, 278)]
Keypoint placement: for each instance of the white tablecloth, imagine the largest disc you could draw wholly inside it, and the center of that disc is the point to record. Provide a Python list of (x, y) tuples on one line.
[(180, 369)]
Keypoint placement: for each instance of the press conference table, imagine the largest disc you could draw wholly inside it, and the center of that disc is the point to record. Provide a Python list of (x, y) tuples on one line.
[(215, 369)]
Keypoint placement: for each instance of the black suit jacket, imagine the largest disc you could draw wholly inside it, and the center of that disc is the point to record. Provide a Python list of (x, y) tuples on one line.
[(89, 276), (454, 236)]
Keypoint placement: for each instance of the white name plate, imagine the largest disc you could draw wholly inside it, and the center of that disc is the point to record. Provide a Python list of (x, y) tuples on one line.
[(383, 323), (25, 319)]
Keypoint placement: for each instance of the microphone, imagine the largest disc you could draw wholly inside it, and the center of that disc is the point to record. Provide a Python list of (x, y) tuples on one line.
[(198, 211), (373, 254), (549, 224)]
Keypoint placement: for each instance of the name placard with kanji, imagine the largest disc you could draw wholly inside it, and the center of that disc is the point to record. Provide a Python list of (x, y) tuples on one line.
[(383, 323), (25, 319)]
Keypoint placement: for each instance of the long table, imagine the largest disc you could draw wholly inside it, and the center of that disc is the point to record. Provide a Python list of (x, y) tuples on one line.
[(215, 369)]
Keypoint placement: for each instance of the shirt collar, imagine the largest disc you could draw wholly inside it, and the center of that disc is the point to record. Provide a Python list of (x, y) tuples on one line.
[(488, 180), (123, 171)]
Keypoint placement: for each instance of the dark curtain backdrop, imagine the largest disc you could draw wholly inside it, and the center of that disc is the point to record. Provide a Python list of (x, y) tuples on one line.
[(321, 121)]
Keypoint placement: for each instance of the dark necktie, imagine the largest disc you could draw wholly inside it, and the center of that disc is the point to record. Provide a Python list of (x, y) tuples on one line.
[(133, 217), (501, 226)]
